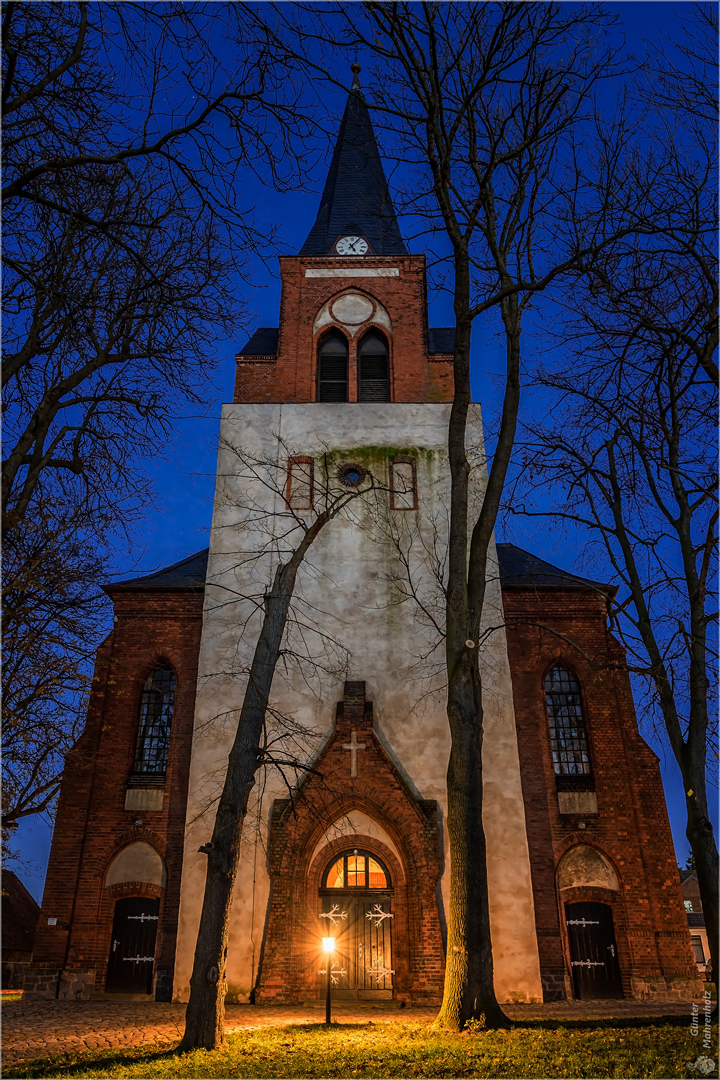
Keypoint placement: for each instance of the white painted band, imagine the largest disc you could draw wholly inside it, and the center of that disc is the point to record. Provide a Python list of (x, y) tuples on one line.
[(354, 271)]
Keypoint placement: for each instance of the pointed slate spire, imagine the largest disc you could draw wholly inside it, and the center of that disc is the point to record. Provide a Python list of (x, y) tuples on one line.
[(356, 199)]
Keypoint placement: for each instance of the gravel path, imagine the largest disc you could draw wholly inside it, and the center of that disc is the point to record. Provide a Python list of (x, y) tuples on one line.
[(38, 1028)]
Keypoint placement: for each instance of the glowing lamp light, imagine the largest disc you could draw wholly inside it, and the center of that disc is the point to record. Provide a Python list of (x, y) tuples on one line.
[(328, 944)]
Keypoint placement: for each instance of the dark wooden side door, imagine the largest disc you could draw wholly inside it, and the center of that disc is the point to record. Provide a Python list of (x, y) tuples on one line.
[(132, 948), (593, 951), (362, 962)]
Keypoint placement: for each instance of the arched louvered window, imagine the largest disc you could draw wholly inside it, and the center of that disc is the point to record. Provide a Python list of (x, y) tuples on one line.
[(156, 710), (373, 372), (333, 369), (567, 725)]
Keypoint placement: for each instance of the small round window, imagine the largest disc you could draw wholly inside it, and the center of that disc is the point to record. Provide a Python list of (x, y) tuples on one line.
[(356, 870), (352, 475)]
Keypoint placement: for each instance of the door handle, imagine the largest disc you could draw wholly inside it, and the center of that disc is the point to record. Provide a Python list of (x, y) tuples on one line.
[(612, 949), (115, 945)]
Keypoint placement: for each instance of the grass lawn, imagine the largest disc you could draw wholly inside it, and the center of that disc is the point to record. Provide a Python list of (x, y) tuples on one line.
[(535, 1049)]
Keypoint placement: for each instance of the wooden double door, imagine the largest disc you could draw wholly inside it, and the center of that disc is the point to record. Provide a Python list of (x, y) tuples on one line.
[(593, 951), (362, 965), (132, 948)]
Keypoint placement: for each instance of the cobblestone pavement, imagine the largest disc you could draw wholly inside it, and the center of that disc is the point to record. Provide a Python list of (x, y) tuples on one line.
[(37, 1028)]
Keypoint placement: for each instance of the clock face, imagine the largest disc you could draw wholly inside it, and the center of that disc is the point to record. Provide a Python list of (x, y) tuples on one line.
[(351, 245)]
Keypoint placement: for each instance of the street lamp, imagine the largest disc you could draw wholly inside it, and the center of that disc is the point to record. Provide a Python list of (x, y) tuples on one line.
[(328, 949)]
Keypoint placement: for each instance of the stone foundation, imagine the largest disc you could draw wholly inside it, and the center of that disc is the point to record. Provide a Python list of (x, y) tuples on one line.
[(44, 983), (41, 983), (76, 985), (13, 974), (659, 989)]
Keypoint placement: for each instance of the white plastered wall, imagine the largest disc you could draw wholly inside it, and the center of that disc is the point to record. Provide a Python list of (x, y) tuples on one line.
[(348, 578)]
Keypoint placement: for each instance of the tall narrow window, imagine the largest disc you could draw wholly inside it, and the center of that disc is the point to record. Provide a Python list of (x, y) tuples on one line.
[(156, 710), (567, 726), (403, 484), (300, 483), (373, 373), (333, 369)]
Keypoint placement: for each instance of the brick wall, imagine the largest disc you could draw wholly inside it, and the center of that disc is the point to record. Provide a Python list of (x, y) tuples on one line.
[(292, 376), (291, 956), (546, 626), (92, 824)]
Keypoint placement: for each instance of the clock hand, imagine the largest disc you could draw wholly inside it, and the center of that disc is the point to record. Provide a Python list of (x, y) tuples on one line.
[(352, 244)]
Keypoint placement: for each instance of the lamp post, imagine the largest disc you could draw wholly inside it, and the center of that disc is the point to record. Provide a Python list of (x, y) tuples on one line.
[(328, 949)]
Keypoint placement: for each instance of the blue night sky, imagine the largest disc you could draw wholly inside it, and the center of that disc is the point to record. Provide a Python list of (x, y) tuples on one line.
[(184, 475)]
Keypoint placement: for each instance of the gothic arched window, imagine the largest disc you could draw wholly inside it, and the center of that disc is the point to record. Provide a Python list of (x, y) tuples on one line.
[(373, 371), (333, 368), (156, 710), (567, 724)]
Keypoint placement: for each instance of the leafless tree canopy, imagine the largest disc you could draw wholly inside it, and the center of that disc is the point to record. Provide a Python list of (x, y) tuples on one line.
[(625, 450), (127, 133)]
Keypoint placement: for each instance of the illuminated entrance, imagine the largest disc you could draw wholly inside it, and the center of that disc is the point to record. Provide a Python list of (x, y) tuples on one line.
[(356, 904)]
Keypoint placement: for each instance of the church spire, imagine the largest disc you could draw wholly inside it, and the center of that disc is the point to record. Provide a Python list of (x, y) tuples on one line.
[(356, 200)]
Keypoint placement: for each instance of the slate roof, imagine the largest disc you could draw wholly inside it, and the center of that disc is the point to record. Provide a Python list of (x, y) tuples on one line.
[(264, 342), (20, 914), (189, 573), (696, 920), (519, 567), (687, 873), (356, 198), (441, 339)]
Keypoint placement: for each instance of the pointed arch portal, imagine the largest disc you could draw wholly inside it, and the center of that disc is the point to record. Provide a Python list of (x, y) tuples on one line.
[(356, 909)]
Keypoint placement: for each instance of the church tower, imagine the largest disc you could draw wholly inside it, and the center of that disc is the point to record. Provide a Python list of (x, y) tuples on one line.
[(352, 383), (351, 393)]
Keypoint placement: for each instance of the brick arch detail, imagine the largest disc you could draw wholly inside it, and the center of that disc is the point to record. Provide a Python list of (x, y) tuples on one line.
[(134, 888), (354, 340), (615, 900), (289, 961), (348, 290), (581, 841), (343, 806), (129, 836), (346, 843), (560, 660)]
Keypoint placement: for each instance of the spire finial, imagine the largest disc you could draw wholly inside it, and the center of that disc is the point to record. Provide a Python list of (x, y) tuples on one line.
[(356, 69)]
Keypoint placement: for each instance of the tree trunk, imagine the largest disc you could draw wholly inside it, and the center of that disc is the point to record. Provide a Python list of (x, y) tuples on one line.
[(204, 1019), (702, 844), (469, 991), (469, 985)]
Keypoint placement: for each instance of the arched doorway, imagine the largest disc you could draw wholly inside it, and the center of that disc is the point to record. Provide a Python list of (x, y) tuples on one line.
[(356, 908)]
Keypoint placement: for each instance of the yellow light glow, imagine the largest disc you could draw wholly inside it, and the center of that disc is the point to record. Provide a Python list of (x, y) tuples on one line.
[(328, 944)]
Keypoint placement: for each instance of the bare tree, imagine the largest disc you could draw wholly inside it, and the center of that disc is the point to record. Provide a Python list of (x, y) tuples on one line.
[(52, 622), (283, 529), (124, 141), (482, 98), (128, 131), (628, 451)]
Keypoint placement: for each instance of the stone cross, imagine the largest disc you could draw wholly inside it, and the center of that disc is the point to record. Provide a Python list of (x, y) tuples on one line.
[(353, 746)]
